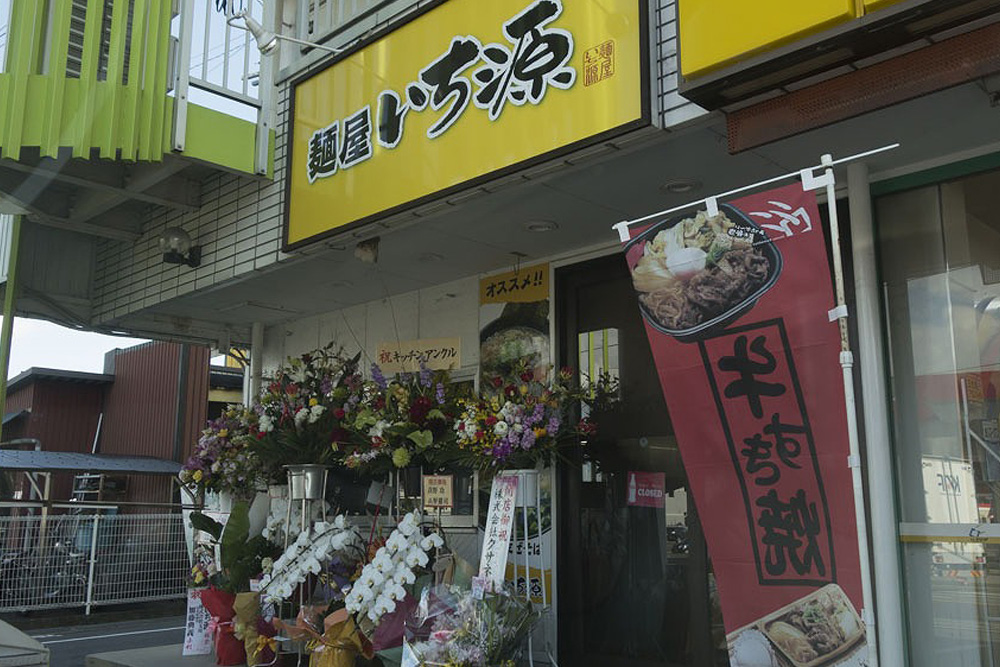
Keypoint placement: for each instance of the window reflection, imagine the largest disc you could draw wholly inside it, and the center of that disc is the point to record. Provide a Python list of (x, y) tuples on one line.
[(939, 251)]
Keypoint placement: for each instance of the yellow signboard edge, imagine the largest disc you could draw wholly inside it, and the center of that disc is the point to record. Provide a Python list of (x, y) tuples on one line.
[(645, 120)]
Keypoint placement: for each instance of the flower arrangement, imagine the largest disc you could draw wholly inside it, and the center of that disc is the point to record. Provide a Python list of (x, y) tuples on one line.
[(311, 553), (452, 627), (382, 583), (300, 414), (519, 420), (398, 422), (222, 460)]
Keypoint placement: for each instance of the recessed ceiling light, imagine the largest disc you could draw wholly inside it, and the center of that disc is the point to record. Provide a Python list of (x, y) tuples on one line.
[(540, 226), (679, 186), (431, 257)]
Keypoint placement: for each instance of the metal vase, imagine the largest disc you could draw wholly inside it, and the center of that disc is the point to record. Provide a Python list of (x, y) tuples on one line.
[(306, 481)]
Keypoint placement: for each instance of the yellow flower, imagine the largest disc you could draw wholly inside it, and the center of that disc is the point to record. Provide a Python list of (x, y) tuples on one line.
[(199, 577), (523, 389), (313, 401), (197, 475), (224, 433), (540, 432)]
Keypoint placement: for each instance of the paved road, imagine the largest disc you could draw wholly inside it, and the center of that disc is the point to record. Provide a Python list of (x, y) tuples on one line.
[(71, 645)]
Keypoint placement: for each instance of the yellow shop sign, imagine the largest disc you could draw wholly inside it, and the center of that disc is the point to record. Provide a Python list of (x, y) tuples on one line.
[(464, 92)]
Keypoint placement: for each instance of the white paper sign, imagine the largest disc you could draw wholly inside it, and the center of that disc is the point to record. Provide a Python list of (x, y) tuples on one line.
[(499, 522), (197, 638)]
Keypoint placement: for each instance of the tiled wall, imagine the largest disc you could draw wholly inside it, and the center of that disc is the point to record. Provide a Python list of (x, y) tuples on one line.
[(238, 227)]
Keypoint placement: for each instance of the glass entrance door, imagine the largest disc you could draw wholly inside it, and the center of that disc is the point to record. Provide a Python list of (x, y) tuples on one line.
[(940, 255), (635, 582)]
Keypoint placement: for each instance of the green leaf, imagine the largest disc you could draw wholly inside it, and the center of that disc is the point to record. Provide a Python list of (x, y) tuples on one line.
[(422, 439), (205, 524), (235, 534), (436, 414)]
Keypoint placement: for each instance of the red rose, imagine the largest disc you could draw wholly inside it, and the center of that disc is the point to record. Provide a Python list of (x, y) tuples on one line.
[(291, 389), (497, 382), (491, 420), (479, 435), (339, 413), (511, 391), (377, 442), (527, 376)]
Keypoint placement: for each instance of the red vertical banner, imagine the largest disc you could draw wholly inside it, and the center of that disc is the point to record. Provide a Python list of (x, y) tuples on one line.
[(736, 308)]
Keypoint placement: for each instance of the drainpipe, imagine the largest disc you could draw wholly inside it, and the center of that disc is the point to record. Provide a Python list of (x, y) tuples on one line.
[(880, 463), (10, 290)]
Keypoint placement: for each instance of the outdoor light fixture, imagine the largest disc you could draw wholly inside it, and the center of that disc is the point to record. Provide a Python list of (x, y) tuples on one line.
[(540, 226), (679, 186), (175, 244), (267, 41)]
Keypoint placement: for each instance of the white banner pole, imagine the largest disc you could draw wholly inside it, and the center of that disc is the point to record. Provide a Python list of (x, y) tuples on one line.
[(847, 365)]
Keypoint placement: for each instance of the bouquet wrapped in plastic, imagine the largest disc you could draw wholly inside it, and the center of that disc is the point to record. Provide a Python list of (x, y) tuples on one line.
[(452, 627)]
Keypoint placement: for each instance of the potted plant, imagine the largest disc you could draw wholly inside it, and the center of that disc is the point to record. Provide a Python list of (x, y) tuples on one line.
[(240, 557)]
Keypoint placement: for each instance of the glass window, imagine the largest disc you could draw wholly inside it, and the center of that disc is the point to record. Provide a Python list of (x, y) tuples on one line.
[(940, 254)]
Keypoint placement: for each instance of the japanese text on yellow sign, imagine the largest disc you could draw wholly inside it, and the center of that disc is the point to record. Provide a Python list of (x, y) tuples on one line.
[(465, 90), (524, 285)]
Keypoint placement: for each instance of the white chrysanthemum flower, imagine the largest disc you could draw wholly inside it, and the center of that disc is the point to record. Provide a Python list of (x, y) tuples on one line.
[(432, 541), (301, 416), (500, 428)]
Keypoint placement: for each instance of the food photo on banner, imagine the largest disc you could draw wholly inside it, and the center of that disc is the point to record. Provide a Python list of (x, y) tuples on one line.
[(736, 307)]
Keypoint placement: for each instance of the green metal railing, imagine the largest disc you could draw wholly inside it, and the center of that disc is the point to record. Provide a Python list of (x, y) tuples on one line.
[(113, 97)]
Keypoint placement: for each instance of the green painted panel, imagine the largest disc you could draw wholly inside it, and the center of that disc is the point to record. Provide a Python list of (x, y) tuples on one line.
[(218, 138), (58, 52), (83, 136), (51, 111), (138, 58)]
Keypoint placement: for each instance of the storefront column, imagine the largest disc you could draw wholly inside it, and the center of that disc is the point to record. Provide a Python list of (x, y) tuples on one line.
[(256, 358), (882, 501)]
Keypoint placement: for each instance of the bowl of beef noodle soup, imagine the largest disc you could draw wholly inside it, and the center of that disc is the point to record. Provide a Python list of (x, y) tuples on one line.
[(698, 273)]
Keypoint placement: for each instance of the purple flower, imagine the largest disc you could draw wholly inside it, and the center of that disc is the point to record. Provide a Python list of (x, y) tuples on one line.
[(440, 393), (326, 386), (527, 439), (553, 426), (425, 375), (378, 378)]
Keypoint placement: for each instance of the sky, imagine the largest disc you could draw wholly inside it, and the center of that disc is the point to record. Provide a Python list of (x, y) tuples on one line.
[(46, 345)]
